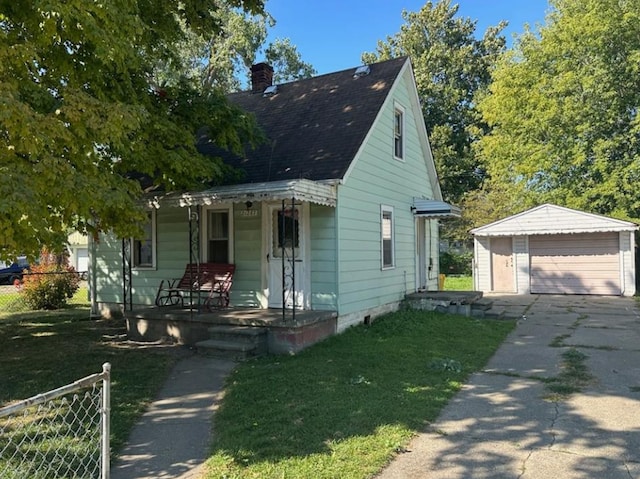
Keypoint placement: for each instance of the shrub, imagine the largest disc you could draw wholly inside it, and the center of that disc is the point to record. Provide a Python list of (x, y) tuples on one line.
[(50, 284), (456, 263)]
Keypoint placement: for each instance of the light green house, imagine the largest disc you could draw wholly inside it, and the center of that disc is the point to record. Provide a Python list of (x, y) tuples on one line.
[(337, 213)]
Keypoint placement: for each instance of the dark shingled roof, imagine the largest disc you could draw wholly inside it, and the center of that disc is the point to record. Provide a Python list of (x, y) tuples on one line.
[(314, 126)]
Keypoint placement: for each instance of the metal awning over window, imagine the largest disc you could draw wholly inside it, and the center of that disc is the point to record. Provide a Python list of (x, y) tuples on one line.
[(434, 209)]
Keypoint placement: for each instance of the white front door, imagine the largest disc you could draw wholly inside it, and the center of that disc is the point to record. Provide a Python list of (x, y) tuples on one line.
[(286, 255)]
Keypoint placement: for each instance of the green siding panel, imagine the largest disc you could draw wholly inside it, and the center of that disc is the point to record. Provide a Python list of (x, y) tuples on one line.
[(378, 179), (323, 262), (248, 252)]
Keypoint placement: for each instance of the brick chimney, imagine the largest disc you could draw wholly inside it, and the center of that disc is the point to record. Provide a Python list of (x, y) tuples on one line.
[(261, 77)]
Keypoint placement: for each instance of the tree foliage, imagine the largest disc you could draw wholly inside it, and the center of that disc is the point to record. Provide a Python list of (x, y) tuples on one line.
[(219, 59), (450, 66), (224, 60), (79, 111), (287, 62), (563, 108)]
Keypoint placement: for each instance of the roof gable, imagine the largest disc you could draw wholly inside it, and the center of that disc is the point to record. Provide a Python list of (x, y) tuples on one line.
[(552, 219), (405, 78), (315, 126)]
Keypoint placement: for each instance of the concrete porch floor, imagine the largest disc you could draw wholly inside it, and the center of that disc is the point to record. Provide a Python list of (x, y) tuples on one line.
[(189, 326)]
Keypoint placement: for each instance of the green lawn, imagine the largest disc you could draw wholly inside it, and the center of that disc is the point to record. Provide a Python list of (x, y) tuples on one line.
[(44, 350), (458, 283), (339, 409), (343, 407)]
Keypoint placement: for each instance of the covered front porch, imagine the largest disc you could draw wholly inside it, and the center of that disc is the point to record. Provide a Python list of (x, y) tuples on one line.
[(285, 331)]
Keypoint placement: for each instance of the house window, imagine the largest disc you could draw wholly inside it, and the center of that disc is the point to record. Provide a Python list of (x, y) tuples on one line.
[(398, 133), (218, 237), (286, 232), (144, 249), (387, 233)]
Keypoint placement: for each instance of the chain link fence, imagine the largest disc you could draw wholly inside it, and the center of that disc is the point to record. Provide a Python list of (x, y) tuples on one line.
[(13, 299), (63, 433)]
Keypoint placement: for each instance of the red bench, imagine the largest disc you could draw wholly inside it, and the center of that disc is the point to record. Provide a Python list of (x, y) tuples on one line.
[(215, 279)]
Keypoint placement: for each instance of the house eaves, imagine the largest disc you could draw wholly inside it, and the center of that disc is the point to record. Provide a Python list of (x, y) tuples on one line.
[(299, 190)]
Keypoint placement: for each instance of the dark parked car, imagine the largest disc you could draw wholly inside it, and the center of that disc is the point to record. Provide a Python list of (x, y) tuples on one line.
[(9, 274)]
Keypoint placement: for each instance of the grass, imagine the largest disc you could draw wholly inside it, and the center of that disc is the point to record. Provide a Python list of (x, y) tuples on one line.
[(44, 350), (574, 375), (345, 406), (11, 301), (458, 283), (341, 408)]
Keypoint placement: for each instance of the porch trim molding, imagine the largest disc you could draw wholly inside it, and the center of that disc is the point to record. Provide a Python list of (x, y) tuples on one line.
[(301, 190)]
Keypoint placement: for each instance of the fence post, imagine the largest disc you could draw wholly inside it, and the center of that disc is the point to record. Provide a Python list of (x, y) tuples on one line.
[(106, 414)]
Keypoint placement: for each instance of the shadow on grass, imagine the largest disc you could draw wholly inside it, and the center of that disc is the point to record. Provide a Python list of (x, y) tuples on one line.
[(44, 350)]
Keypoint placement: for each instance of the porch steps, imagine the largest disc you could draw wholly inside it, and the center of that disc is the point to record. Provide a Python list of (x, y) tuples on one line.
[(484, 308), (234, 342), (466, 303)]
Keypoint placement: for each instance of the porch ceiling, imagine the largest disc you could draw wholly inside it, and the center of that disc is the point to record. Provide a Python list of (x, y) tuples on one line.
[(302, 190)]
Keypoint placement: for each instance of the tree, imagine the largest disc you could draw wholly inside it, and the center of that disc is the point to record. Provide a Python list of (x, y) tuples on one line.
[(563, 108), (79, 113), (450, 65), (219, 59), (287, 63), (224, 60)]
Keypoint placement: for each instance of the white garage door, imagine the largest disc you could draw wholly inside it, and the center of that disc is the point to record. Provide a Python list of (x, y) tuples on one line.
[(575, 264)]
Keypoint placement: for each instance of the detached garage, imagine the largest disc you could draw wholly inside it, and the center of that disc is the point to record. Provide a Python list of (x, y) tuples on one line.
[(555, 250)]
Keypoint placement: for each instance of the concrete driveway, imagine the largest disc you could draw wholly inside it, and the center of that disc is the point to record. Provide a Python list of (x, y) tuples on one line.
[(503, 424)]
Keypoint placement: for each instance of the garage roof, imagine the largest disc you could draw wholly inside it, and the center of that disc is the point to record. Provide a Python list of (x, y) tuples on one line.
[(550, 219)]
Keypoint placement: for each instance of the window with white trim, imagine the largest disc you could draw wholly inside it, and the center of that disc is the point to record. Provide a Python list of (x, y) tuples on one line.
[(218, 237), (387, 237), (398, 132), (143, 250)]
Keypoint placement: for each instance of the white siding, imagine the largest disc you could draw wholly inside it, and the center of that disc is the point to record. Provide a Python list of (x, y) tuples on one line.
[(482, 265), (434, 251), (627, 250)]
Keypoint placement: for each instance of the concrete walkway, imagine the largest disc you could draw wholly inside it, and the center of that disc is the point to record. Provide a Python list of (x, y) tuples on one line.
[(501, 426), (172, 438)]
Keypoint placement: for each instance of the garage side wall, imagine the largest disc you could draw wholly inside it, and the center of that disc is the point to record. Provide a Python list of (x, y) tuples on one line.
[(481, 264), (627, 250)]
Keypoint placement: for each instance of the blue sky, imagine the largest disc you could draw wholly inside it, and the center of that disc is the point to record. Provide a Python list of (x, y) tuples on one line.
[(332, 34)]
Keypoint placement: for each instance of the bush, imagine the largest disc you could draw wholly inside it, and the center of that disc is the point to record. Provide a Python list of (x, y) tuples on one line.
[(49, 285), (456, 263)]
